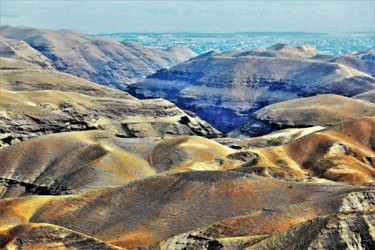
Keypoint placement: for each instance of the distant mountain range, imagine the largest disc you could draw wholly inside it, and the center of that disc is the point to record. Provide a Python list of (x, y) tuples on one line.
[(333, 44), (105, 61)]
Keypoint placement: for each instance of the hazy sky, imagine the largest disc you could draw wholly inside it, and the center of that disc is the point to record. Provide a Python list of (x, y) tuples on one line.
[(198, 16)]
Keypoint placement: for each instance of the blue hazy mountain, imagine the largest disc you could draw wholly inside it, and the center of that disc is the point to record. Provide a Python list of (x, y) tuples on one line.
[(334, 44)]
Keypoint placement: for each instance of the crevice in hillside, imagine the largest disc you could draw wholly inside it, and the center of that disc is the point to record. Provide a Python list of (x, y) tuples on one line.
[(31, 188)]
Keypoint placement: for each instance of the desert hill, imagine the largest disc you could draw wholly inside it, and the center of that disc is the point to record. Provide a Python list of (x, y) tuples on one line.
[(47, 236), (18, 49), (19, 75), (87, 166), (364, 54), (346, 159), (104, 61), (341, 153), (323, 232), (366, 66), (69, 163), (114, 214), (226, 89), (55, 164), (187, 153), (276, 138), (320, 110), (38, 101), (279, 50), (366, 96)]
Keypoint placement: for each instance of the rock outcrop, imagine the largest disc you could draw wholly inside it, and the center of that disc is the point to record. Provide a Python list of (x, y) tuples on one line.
[(36, 101), (225, 89), (104, 61), (320, 110)]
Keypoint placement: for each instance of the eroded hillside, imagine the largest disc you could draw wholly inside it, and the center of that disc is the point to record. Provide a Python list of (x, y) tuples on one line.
[(85, 166), (226, 88), (104, 61), (37, 101)]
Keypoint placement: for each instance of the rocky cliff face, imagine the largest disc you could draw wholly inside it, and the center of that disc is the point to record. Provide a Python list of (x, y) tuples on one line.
[(100, 60), (225, 89), (37, 101)]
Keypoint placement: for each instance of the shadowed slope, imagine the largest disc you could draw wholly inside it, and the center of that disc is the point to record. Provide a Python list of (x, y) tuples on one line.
[(338, 231), (18, 49), (69, 163), (342, 231), (226, 89), (364, 54), (38, 101), (18, 75)]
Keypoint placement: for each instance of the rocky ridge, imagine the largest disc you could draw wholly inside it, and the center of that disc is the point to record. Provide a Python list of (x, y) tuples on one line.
[(37, 101), (18, 49), (226, 88), (91, 167), (104, 61)]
